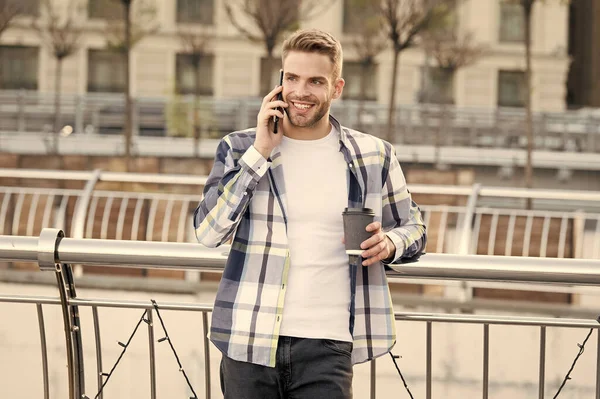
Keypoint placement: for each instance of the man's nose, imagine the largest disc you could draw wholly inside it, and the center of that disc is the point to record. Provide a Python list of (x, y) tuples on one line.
[(303, 90)]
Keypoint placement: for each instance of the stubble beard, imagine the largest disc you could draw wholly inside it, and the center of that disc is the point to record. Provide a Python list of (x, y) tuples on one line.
[(300, 121)]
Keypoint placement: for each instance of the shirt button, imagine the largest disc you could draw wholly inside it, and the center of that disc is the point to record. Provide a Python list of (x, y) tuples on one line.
[(245, 193)]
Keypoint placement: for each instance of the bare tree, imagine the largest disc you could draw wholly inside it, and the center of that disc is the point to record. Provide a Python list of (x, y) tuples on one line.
[(137, 20), (9, 10), (452, 51), (527, 7), (265, 21), (196, 45), (404, 20), (368, 40), (60, 33)]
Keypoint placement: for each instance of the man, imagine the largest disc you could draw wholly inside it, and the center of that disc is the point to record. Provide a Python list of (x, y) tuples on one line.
[(287, 317)]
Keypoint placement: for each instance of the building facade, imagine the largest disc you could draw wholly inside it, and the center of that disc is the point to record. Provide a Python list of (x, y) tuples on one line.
[(235, 67)]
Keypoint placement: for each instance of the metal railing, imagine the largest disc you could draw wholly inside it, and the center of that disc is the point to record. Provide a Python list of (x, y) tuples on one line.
[(460, 219), (468, 220), (54, 254), (102, 114)]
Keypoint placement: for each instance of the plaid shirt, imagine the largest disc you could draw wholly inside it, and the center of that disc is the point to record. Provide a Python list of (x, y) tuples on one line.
[(245, 198)]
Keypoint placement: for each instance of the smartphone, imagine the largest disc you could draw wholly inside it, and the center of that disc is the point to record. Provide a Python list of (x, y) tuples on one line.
[(279, 98)]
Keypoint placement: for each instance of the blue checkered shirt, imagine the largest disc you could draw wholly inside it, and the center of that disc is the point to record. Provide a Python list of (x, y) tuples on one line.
[(245, 199)]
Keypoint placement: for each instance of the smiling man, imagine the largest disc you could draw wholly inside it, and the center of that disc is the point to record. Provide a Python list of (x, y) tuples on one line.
[(291, 317)]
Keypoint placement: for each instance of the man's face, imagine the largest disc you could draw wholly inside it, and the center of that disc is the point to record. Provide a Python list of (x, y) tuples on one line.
[(308, 87)]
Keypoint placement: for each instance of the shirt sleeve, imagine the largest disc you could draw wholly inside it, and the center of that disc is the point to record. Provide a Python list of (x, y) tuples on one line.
[(401, 217), (227, 193)]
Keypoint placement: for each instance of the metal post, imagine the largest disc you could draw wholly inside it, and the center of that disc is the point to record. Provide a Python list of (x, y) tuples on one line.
[(464, 226), (48, 260), (98, 341), (152, 352), (81, 209), (373, 379), (542, 377), (428, 365), (486, 359), (598, 365), (66, 289), (44, 350), (206, 356), (467, 221)]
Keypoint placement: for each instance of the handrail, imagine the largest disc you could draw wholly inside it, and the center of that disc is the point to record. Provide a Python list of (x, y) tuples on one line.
[(51, 249), (164, 255), (180, 179)]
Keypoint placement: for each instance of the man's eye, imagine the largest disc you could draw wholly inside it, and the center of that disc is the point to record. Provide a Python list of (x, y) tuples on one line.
[(316, 82), (291, 78)]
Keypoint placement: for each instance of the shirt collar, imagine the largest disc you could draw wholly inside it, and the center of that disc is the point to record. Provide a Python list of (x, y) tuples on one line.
[(345, 140)]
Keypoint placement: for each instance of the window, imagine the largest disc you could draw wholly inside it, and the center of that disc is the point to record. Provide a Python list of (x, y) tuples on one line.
[(186, 82), (511, 89), (269, 74), (19, 67), (439, 86), (106, 71), (195, 11), (105, 9), (351, 72), (512, 22)]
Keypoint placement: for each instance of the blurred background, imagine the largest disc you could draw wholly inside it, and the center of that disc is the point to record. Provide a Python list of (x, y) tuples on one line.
[(111, 111), (154, 78)]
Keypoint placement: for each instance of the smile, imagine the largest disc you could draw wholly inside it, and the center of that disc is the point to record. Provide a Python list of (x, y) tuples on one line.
[(302, 106)]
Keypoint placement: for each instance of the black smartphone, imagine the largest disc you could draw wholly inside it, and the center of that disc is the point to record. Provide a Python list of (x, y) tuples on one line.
[(279, 98)]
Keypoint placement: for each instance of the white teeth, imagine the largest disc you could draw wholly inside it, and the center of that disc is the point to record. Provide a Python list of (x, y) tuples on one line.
[(302, 106)]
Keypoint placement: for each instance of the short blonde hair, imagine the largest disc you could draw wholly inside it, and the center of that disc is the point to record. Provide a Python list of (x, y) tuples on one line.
[(316, 41)]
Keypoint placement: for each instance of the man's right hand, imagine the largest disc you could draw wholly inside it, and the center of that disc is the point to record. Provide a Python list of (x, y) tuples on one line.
[(266, 140)]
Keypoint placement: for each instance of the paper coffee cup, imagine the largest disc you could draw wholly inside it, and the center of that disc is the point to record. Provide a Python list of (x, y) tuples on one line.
[(356, 221)]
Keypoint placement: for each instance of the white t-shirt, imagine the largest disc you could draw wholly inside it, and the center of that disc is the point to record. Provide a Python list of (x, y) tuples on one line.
[(317, 300)]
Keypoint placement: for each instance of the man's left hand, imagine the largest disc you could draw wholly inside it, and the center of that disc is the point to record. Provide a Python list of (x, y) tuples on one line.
[(377, 248)]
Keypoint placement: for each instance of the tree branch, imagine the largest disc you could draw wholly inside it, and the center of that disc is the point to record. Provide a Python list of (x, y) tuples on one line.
[(9, 9)]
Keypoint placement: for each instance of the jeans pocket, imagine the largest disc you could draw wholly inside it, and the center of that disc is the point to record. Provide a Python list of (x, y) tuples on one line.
[(341, 347)]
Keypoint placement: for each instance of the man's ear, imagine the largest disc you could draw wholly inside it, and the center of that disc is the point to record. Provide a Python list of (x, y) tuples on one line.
[(338, 88)]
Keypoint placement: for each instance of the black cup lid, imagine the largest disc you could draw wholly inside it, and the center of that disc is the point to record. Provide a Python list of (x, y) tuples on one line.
[(359, 210)]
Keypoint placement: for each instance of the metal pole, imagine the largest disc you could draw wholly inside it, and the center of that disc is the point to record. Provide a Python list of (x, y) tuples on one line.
[(206, 356), (542, 377), (373, 380), (81, 209), (598, 365), (98, 350), (428, 365), (181, 256), (467, 221), (47, 256), (40, 313), (152, 352), (486, 359), (73, 388)]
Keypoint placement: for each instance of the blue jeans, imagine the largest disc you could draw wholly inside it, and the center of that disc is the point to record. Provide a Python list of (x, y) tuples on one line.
[(304, 369)]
